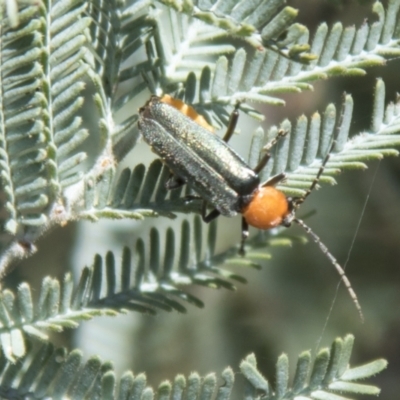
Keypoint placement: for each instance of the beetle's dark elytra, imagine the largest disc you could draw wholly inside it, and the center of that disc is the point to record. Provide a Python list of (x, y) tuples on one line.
[(217, 173)]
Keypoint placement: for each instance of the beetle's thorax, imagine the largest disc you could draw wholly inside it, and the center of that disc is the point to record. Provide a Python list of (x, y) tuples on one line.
[(267, 209)]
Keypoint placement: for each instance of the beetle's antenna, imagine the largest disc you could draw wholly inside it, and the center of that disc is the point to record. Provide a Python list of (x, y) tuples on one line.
[(335, 263), (296, 203)]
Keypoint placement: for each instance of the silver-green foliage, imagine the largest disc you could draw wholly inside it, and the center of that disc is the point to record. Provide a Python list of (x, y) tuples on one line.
[(42, 82), (144, 282), (46, 372), (41, 94), (55, 52), (56, 47)]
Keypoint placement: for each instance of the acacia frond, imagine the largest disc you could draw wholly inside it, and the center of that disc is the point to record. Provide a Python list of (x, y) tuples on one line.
[(48, 372), (263, 23), (41, 95), (180, 49), (184, 45), (147, 285), (301, 152), (261, 75), (328, 377), (119, 33), (134, 194)]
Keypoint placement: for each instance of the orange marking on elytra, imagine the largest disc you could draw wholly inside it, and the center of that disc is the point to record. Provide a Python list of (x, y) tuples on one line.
[(187, 110)]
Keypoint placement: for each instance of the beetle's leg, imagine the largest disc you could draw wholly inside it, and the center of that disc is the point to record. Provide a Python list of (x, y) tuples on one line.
[(174, 182), (211, 216), (262, 163), (232, 123), (281, 133), (245, 235), (264, 160), (274, 180)]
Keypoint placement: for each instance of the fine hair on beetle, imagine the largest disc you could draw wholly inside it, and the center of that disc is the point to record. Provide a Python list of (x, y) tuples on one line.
[(187, 145)]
